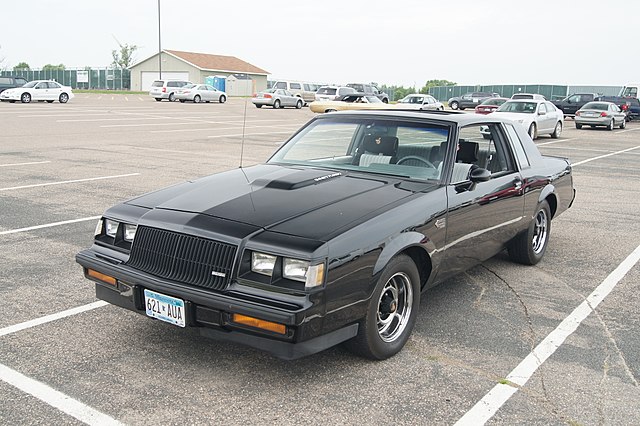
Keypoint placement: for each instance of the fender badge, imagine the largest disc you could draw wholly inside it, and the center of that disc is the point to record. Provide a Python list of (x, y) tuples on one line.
[(441, 223)]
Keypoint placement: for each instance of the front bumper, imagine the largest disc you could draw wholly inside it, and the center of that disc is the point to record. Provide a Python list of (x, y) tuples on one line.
[(211, 312)]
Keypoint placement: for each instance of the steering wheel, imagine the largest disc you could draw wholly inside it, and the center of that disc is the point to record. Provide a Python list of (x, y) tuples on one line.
[(415, 157)]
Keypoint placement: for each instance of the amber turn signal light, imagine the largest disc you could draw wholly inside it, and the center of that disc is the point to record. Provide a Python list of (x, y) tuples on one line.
[(258, 323), (101, 277)]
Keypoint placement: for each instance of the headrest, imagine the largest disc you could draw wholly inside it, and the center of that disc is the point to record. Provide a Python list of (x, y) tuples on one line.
[(467, 152), (385, 145)]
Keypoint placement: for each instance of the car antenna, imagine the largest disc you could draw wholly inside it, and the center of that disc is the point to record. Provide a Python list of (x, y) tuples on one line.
[(244, 125)]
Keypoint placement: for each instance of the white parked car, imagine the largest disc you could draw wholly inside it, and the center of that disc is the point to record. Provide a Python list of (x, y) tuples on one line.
[(333, 93), (539, 117), (200, 93), (38, 90), (420, 102)]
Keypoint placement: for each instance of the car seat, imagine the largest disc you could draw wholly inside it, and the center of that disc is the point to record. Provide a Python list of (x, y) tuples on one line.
[(378, 149)]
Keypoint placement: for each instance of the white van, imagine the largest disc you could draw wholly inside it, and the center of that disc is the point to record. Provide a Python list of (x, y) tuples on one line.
[(631, 90), (306, 91)]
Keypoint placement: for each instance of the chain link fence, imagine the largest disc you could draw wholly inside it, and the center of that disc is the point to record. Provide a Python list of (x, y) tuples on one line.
[(551, 92), (86, 78)]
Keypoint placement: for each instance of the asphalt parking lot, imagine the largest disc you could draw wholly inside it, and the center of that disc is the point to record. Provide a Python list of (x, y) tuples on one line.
[(61, 166)]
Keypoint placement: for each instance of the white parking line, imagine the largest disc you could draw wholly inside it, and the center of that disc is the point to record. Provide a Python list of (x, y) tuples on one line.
[(248, 135), (67, 181), (24, 164), (492, 401), (604, 156), (552, 142), (628, 130), (54, 398), (208, 129), (48, 225), (53, 317)]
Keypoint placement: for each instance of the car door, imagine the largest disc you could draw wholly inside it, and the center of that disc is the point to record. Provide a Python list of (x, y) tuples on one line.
[(40, 92), (481, 216), (543, 118), (53, 94), (209, 91)]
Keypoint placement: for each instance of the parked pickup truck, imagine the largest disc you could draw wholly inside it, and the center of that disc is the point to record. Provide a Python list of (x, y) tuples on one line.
[(574, 102), (631, 106)]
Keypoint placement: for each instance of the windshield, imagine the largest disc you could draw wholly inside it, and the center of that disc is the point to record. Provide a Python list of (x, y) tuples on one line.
[(327, 91), (188, 86), (31, 84), (521, 107), (369, 145)]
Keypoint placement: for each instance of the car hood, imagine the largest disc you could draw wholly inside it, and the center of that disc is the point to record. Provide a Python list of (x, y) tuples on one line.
[(307, 202), (515, 116)]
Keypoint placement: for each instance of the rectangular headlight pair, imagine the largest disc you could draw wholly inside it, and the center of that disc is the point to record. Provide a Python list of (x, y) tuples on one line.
[(292, 269), (111, 229)]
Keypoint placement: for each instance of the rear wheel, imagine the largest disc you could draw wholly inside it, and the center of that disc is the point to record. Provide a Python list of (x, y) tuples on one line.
[(158, 99), (197, 99), (299, 104), (222, 99), (533, 131), (25, 98), (276, 104), (50, 102), (557, 131), (529, 247), (391, 312), (63, 98), (612, 124), (182, 101), (172, 97), (258, 106), (454, 105), (578, 126)]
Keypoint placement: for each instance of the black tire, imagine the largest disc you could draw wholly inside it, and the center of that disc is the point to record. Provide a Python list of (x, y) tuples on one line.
[(331, 110), (25, 98), (197, 99), (578, 126), (557, 131), (49, 102), (385, 100), (258, 106), (461, 108), (533, 131), (222, 99), (172, 97), (612, 124), (299, 104), (454, 105), (63, 98), (276, 104), (182, 101), (529, 247), (158, 99), (391, 313), (623, 124)]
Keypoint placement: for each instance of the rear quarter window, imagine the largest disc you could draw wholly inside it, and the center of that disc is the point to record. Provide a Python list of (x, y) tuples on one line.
[(157, 83), (516, 144)]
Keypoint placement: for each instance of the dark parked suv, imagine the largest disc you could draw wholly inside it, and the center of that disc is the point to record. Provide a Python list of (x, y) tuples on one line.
[(631, 106), (11, 82), (574, 102), (471, 99)]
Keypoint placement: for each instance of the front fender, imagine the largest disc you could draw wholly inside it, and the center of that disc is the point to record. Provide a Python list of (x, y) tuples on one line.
[(401, 243)]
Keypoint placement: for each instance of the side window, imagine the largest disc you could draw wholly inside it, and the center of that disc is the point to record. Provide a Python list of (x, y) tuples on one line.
[(542, 108), (280, 85), (485, 146), (307, 88), (42, 86), (294, 86), (550, 107), (53, 85), (518, 149), (574, 98)]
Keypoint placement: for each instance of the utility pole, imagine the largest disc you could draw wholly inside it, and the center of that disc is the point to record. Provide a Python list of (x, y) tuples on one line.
[(159, 44)]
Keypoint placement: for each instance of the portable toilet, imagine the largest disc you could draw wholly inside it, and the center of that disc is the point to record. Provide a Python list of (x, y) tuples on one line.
[(217, 81)]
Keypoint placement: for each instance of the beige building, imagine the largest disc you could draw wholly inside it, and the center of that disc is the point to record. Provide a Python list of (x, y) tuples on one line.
[(195, 67)]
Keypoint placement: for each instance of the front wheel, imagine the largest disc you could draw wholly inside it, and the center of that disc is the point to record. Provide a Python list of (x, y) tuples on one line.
[(49, 102), (454, 105), (557, 131), (529, 247), (63, 98), (158, 99), (299, 104), (533, 131), (197, 99), (391, 313), (623, 124), (258, 106), (276, 104), (25, 98), (222, 99)]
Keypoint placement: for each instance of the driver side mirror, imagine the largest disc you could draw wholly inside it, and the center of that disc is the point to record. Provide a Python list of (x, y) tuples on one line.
[(480, 175), (542, 113)]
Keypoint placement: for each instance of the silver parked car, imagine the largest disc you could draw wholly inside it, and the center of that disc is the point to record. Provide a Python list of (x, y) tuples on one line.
[(200, 93), (600, 114), (420, 102), (277, 98), (539, 117)]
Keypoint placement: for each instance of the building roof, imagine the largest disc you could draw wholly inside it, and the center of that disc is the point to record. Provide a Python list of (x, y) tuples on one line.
[(209, 62)]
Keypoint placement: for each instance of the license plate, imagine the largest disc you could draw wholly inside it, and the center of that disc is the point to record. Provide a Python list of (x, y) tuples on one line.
[(165, 308), (589, 114)]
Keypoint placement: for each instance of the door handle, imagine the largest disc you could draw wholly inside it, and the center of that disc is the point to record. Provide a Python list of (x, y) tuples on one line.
[(517, 184)]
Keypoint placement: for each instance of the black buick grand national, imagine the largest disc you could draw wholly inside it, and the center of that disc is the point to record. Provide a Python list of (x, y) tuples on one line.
[(336, 236)]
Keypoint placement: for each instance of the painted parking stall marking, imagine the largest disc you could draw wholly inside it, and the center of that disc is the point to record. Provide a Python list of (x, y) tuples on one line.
[(68, 181), (24, 164), (492, 401), (48, 225)]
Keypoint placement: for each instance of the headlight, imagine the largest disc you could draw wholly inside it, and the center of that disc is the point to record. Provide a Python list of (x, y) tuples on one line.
[(263, 263), (111, 228), (129, 232), (295, 269)]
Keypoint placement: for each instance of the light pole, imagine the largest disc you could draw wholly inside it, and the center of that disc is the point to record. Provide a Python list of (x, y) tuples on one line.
[(159, 45)]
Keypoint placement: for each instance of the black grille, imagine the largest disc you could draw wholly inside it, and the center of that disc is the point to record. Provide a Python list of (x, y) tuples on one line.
[(182, 258)]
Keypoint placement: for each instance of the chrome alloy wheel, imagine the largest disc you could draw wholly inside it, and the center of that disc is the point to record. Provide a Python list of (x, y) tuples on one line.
[(540, 232), (394, 307)]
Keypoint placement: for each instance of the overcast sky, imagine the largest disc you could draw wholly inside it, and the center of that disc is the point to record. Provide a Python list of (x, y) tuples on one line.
[(402, 42)]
